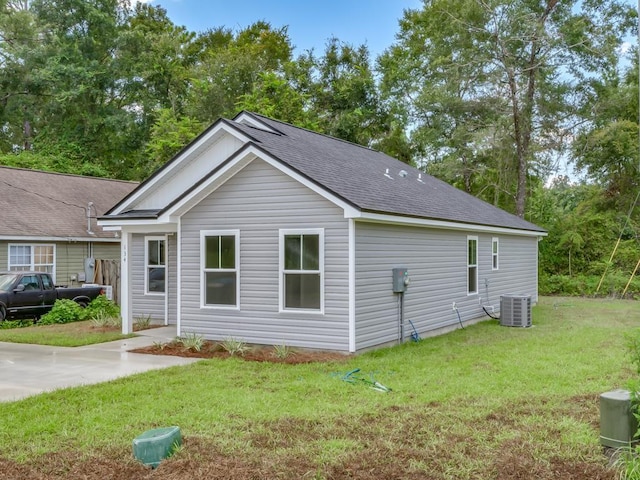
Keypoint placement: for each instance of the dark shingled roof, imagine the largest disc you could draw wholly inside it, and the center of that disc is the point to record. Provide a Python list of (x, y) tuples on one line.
[(45, 204), (372, 181)]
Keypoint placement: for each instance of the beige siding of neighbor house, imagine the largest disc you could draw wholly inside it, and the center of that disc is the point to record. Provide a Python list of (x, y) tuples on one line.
[(258, 202), (437, 264), (143, 304), (69, 260)]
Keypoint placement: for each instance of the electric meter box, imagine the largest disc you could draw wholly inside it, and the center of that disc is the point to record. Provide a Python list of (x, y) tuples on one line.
[(618, 425), (400, 280)]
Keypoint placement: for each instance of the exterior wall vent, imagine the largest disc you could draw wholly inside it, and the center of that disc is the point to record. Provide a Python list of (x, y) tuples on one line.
[(515, 310)]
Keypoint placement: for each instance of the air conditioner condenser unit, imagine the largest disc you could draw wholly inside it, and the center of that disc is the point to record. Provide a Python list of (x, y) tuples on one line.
[(515, 310)]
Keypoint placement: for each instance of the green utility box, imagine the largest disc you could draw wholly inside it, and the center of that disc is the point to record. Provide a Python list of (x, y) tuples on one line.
[(618, 424), (153, 446)]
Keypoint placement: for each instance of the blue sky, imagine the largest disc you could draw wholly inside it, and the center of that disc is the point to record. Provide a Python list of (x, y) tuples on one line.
[(310, 22)]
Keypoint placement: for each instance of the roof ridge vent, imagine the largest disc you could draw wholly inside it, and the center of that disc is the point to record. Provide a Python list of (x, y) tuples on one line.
[(386, 174)]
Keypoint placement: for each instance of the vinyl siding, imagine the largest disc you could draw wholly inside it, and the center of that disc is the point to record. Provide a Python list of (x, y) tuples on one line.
[(143, 304), (172, 279), (437, 263), (106, 251), (258, 202)]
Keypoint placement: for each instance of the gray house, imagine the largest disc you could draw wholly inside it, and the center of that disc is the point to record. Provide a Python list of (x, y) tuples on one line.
[(274, 234)]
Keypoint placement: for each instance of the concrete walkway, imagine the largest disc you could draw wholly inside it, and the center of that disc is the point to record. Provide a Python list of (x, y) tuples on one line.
[(32, 369)]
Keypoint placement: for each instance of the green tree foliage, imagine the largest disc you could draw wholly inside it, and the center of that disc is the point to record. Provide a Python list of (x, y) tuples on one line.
[(490, 87)]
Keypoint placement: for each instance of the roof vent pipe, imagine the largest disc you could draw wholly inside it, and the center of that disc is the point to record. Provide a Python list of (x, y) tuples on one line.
[(89, 217), (386, 174)]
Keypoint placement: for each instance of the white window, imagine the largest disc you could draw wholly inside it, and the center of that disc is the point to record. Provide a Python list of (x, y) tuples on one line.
[(472, 265), (155, 265), (494, 253), (220, 257), (302, 269), (37, 258)]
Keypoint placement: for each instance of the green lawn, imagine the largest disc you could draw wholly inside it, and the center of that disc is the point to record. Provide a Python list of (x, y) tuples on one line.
[(487, 402), (74, 334)]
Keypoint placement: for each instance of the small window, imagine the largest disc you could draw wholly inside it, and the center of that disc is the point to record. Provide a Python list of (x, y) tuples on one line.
[(220, 275), (37, 258), (494, 253), (155, 265), (302, 269), (472, 265)]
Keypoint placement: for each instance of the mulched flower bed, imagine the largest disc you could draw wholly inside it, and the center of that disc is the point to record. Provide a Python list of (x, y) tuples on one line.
[(255, 353)]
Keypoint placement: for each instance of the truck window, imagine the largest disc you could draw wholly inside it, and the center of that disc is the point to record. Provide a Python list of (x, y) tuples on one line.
[(6, 281), (30, 282), (47, 284)]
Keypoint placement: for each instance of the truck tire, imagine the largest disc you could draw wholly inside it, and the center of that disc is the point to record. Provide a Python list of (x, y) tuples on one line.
[(83, 303), (3, 313)]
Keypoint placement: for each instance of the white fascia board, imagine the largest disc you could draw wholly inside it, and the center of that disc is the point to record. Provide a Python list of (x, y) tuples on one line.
[(208, 139), (230, 169), (446, 225), (140, 226), (58, 239)]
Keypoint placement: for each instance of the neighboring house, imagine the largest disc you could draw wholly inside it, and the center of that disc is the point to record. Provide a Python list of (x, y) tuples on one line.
[(48, 223), (274, 234)]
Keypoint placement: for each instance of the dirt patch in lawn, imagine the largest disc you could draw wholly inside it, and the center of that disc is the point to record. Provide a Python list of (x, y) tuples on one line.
[(255, 353), (396, 442)]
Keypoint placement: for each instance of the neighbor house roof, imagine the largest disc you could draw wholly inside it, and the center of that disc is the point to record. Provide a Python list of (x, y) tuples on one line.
[(54, 206), (368, 180)]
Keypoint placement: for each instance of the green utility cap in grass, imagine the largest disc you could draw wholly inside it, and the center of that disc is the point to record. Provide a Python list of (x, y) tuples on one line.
[(153, 446)]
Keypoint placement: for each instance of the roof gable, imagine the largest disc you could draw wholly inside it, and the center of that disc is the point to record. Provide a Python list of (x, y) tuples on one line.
[(355, 176)]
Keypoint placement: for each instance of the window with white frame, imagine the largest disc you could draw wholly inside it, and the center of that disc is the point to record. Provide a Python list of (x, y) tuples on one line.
[(472, 265), (494, 253), (37, 258), (220, 254), (302, 269), (155, 265)]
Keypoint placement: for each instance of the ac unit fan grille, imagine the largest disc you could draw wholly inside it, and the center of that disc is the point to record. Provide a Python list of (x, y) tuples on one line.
[(515, 310)]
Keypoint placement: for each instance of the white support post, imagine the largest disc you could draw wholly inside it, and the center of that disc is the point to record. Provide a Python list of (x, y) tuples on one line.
[(125, 282)]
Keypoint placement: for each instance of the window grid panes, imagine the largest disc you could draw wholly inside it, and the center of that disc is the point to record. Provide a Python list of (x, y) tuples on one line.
[(220, 272), (494, 254), (40, 258), (156, 268), (302, 276), (472, 265)]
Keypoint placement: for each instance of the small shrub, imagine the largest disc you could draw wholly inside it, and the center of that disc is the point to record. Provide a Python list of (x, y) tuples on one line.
[(7, 324), (101, 306), (104, 321), (234, 346), (159, 345), (192, 341), (63, 311), (282, 351), (142, 322)]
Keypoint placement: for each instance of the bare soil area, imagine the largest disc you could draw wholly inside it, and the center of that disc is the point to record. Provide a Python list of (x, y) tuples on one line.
[(254, 354), (397, 442)]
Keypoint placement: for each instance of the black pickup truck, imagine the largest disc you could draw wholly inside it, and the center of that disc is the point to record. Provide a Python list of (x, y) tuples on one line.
[(32, 294)]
